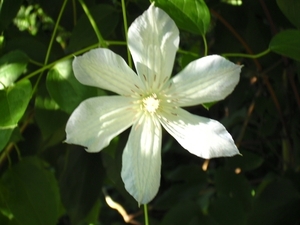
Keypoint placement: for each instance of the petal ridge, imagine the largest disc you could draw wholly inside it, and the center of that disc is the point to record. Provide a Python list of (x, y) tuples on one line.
[(96, 121), (141, 159), (201, 136)]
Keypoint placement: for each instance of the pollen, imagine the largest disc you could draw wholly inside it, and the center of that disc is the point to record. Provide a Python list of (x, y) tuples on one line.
[(151, 103)]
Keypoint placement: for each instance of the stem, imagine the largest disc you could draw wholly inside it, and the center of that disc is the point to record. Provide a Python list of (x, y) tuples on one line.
[(69, 56), (93, 23), (247, 55), (205, 45), (55, 31), (126, 32), (188, 53), (57, 61), (146, 214)]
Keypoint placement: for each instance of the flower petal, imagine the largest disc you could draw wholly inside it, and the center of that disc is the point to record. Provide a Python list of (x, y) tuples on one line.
[(96, 121), (142, 160), (201, 136), (104, 69), (153, 40), (207, 79)]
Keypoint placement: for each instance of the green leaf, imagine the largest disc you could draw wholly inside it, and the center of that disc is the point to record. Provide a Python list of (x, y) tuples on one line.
[(291, 9), (5, 134), (277, 204), (84, 35), (227, 211), (31, 193), (208, 105), (12, 65), (8, 10), (287, 43), (81, 183), (248, 161), (13, 103), (233, 185), (64, 88), (181, 213), (189, 15)]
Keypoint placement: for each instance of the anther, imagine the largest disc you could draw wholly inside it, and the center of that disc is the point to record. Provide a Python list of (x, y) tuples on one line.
[(145, 77)]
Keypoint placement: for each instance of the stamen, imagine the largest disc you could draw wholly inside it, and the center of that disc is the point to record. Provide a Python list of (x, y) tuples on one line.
[(166, 78), (154, 77), (145, 77), (136, 86)]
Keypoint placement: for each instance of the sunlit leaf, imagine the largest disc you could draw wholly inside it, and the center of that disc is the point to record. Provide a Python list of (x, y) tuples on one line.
[(13, 103), (65, 89), (287, 43), (189, 15), (31, 193), (12, 65), (291, 9)]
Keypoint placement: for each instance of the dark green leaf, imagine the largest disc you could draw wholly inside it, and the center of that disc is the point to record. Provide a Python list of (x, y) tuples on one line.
[(181, 213), (31, 193), (227, 211), (278, 203), (248, 161), (188, 173), (234, 185), (84, 35), (12, 65), (189, 15), (65, 89), (291, 9), (5, 134), (81, 182), (287, 43)]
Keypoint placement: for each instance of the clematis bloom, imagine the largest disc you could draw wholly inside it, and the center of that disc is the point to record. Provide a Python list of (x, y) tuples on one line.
[(150, 100)]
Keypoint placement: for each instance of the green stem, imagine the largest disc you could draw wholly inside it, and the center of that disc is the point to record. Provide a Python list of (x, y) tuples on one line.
[(126, 32), (116, 42), (247, 55), (45, 67), (146, 214), (188, 53), (205, 45), (57, 61), (55, 31), (93, 23)]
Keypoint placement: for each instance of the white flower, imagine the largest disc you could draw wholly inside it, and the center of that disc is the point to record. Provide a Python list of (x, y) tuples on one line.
[(150, 99)]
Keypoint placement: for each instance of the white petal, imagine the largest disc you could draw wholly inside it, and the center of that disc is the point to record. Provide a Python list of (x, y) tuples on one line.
[(153, 40), (104, 69), (201, 136), (207, 79), (142, 160), (96, 121)]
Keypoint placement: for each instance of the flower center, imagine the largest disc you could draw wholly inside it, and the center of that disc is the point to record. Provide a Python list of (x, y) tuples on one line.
[(151, 103)]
